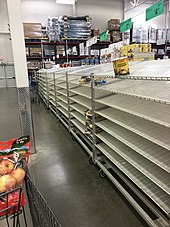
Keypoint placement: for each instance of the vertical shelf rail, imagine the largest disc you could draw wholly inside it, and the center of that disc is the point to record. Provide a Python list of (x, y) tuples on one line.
[(93, 118), (47, 90), (55, 93), (68, 102)]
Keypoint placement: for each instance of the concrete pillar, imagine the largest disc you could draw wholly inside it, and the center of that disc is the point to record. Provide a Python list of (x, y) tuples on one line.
[(20, 65)]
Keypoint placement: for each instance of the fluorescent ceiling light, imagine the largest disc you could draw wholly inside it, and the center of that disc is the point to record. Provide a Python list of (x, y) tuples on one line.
[(134, 3), (67, 2)]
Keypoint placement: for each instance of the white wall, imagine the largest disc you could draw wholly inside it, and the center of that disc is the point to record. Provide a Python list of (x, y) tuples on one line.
[(138, 15), (100, 10), (5, 42), (39, 10)]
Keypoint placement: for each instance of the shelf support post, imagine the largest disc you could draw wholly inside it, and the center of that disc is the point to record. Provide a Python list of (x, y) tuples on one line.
[(68, 102), (93, 118)]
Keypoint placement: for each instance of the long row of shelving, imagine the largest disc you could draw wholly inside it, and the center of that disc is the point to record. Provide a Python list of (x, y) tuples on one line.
[(134, 133)]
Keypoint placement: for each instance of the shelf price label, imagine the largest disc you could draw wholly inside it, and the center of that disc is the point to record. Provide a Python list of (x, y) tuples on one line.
[(103, 36), (91, 41), (155, 10), (126, 25)]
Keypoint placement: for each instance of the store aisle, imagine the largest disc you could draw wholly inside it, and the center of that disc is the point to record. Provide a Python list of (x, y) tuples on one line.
[(9, 114), (71, 186)]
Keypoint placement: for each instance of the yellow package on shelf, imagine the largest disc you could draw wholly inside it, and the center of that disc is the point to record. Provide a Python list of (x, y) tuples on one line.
[(121, 66)]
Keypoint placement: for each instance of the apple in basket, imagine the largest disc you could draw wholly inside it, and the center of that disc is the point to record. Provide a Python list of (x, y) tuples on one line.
[(6, 166), (7, 183), (18, 174)]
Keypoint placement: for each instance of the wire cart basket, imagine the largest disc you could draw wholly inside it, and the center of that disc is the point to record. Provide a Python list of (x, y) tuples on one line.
[(11, 210), (42, 215)]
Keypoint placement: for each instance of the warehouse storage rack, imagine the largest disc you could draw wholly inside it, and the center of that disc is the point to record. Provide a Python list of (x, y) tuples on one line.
[(132, 146)]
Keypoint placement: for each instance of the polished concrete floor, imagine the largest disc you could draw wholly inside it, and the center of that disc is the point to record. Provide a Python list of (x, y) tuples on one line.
[(70, 185)]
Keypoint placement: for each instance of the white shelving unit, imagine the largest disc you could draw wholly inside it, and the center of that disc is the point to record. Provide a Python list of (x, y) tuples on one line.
[(134, 122)]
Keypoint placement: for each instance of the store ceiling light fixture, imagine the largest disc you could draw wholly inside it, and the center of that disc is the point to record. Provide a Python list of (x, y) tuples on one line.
[(66, 2)]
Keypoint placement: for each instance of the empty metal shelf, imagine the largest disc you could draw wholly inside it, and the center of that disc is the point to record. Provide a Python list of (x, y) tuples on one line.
[(82, 101), (63, 85), (52, 102), (150, 170), (160, 197), (62, 91), (79, 125), (52, 93), (152, 90), (63, 111), (63, 104), (147, 129), (149, 150), (79, 117), (156, 112), (78, 108), (85, 101), (86, 92), (62, 98), (51, 97)]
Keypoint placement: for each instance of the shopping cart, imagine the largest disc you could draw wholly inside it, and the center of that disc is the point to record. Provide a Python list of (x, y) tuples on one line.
[(15, 215), (11, 210), (42, 215)]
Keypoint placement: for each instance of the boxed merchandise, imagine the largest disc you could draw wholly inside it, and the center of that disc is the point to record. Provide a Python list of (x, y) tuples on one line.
[(152, 35), (49, 51), (95, 32), (33, 65), (121, 66), (114, 25), (124, 53), (161, 34), (115, 36), (33, 30), (60, 49), (168, 35), (35, 51), (146, 48), (95, 52)]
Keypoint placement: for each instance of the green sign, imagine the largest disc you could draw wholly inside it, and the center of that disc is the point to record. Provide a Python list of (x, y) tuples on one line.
[(155, 10), (126, 25), (103, 36)]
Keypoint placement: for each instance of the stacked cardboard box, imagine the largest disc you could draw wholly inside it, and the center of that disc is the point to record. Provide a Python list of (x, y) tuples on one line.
[(35, 52), (115, 36), (114, 29), (33, 30), (60, 50), (114, 25), (95, 32)]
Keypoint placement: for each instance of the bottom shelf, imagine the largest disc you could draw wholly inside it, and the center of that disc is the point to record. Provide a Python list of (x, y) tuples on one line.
[(158, 196)]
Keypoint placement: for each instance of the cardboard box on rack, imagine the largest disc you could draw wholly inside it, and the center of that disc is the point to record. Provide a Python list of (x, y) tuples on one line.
[(115, 36), (33, 30), (114, 25), (95, 32), (124, 53), (35, 51), (60, 49)]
